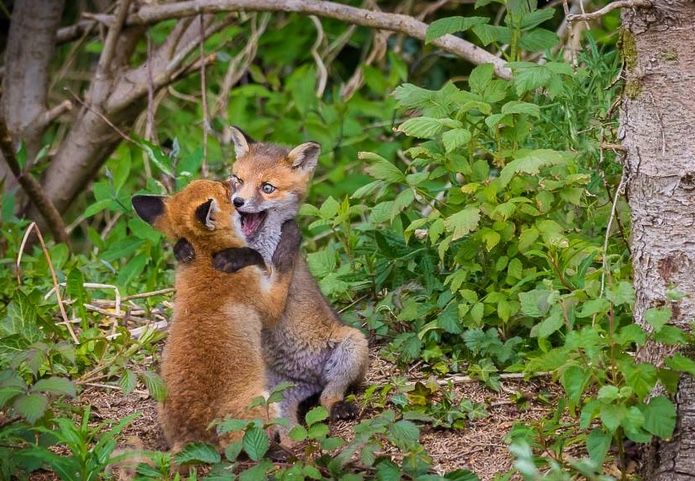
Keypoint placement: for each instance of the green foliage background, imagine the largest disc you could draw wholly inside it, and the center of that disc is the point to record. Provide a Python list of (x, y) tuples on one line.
[(459, 218)]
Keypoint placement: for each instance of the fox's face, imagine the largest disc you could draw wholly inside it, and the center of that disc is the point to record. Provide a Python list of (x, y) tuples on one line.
[(268, 180), (202, 213)]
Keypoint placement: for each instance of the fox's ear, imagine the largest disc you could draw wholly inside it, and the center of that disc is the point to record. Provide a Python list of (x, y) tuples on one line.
[(305, 156), (205, 213), (149, 207), (241, 141)]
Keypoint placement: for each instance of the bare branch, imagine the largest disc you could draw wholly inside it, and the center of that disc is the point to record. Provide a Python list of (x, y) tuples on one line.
[(608, 8), (104, 67), (204, 99), (52, 114), (240, 63), (406, 24), (32, 187)]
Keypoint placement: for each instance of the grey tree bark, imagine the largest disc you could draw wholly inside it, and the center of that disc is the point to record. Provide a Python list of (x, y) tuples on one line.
[(657, 119), (25, 83)]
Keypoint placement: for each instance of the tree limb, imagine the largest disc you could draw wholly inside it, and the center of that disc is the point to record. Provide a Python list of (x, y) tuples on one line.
[(608, 8), (32, 187), (406, 24)]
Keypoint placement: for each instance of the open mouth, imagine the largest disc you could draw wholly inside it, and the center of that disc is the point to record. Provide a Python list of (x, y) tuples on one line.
[(251, 222)]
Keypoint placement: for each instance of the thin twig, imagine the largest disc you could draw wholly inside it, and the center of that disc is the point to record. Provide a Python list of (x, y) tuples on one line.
[(618, 193), (101, 116), (32, 187), (61, 307), (52, 114), (468, 379), (114, 32), (320, 66), (141, 295), (608, 8), (149, 126), (203, 91)]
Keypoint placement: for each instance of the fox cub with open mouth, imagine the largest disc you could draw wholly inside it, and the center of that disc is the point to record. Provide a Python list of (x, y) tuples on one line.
[(212, 363), (309, 346)]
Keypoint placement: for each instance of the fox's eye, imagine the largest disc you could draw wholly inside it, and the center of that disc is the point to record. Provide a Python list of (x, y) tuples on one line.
[(267, 188), (237, 180)]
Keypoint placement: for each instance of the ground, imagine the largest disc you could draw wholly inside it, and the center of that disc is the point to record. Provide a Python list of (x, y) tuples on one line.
[(479, 447)]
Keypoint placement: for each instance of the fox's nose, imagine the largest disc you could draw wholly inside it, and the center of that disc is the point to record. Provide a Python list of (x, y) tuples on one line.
[(238, 201)]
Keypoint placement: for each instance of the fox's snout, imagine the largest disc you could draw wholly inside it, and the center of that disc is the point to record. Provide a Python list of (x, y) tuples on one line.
[(237, 201)]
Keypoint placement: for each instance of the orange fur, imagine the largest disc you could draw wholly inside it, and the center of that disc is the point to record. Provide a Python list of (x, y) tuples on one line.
[(212, 362)]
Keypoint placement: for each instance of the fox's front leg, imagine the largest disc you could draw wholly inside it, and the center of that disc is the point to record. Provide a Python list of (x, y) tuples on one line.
[(271, 302), (283, 260)]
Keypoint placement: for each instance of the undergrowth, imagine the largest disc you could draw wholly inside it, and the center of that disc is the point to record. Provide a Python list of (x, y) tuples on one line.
[(474, 239)]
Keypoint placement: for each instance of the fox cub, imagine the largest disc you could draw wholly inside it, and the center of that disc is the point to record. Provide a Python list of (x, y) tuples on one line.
[(212, 363), (309, 346)]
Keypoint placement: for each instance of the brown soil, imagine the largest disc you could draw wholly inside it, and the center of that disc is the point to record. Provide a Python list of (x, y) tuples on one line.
[(479, 447)]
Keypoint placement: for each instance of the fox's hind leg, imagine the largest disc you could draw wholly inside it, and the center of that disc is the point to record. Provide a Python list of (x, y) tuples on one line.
[(345, 367)]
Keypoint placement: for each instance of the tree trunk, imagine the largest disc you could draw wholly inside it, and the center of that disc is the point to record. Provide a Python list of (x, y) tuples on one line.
[(657, 119)]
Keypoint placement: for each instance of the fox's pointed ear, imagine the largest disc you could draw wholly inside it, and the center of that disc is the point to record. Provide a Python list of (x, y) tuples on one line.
[(205, 213), (241, 141), (305, 156), (148, 207)]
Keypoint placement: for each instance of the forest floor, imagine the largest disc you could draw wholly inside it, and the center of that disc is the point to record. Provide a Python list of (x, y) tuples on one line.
[(480, 446)]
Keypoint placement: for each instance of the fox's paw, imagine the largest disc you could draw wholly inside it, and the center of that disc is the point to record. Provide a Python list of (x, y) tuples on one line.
[(286, 250), (235, 258), (344, 410), (184, 251)]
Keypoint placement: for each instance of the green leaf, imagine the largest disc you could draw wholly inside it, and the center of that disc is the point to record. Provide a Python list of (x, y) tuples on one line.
[(622, 293), (386, 171), (612, 416), (256, 443), (550, 324), (404, 434), (463, 222), (538, 40), (574, 379), (597, 444), (517, 107), (660, 417), (155, 385), (670, 335), (449, 319), (532, 162), (317, 414), (679, 362), (443, 26), (387, 470), (297, 433), (536, 303), (481, 76), (55, 385), (658, 317), (455, 139), (31, 406), (426, 127), (128, 381), (198, 453), (641, 377)]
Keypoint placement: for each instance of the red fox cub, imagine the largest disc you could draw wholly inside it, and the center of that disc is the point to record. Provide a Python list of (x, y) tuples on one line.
[(309, 346), (212, 363)]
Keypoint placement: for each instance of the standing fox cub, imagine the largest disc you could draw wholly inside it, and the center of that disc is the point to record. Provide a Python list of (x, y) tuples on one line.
[(212, 363), (309, 346)]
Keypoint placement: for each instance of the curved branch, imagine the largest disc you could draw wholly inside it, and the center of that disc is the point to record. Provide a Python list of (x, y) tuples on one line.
[(408, 25), (609, 8), (32, 187)]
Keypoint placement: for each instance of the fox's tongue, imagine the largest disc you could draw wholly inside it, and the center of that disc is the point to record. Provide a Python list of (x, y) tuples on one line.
[(251, 222)]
